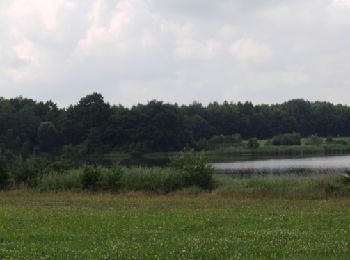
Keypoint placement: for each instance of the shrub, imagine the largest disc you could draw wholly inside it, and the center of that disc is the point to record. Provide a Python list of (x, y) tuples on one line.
[(253, 143), (287, 139), (329, 140), (155, 180), (65, 181), (314, 140), (111, 179), (90, 177), (194, 168), (59, 166), (30, 171)]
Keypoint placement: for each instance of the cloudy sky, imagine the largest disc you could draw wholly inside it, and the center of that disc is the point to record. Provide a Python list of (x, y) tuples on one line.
[(132, 51)]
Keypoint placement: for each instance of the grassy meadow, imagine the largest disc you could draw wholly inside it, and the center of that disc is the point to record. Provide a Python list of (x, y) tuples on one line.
[(139, 226)]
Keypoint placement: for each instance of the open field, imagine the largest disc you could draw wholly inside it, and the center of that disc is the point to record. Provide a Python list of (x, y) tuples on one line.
[(105, 226)]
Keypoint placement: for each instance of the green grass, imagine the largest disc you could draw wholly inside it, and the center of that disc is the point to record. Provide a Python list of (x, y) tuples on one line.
[(285, 186), (104, 226)]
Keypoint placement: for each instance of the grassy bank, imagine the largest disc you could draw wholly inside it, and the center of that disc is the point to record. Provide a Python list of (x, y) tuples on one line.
[(189, 174), (168, 181), (285, 186), (104, 226)]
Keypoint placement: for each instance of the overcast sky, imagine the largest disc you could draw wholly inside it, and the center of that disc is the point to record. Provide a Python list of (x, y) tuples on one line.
[(133, 51)]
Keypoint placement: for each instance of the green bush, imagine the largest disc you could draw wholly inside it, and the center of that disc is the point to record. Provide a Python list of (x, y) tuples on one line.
[(90, 177), (66, 181), (111, 179), (194, 168), (59, 166), (155, 180), (116, 178), (330, 140), (253, 143), (189, 169), (314, 140), (30, 171), (287, 139)]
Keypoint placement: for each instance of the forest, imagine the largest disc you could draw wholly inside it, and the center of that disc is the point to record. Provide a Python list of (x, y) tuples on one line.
[(95, 127)]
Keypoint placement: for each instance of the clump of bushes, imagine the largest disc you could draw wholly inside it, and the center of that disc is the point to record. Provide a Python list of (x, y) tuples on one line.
[(154, 180), (111, 179), (90, 177), (286, 139), (95, 178), (331, 140), (314, 140), (29, 171), (253, 143), (194, 169), (188, 170), (70, 180)]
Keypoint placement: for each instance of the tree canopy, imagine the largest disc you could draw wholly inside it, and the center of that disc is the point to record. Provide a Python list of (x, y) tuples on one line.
[(94, 126)]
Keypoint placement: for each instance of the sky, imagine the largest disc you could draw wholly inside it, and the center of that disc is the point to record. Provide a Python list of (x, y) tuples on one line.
[(134, 51)]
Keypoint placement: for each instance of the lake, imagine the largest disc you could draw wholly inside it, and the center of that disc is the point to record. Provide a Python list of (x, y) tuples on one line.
[(323, 163)]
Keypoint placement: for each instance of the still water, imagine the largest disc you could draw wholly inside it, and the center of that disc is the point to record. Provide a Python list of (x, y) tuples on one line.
[(315, 163)]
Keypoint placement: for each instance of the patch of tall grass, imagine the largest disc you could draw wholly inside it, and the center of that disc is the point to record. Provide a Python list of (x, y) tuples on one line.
[(316, 186), (114, 179), (188, 169), (154, 180), (69, 180)]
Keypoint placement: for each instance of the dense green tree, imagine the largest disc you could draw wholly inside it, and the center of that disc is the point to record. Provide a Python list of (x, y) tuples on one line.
[(48, 136), (4, 173)]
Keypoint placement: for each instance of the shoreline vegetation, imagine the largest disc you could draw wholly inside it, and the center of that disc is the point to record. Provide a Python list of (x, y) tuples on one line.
[(307, 187), (189, 174)]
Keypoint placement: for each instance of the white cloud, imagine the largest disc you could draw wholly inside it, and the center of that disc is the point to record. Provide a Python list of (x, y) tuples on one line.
[(248, 50), (189, 49), (178, 51), (339, 11)]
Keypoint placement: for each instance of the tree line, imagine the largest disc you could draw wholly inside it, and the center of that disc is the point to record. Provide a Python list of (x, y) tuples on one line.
[(93, 126)]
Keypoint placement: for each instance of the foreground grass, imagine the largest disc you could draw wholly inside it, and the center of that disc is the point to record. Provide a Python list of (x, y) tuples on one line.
[(105, 226)]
